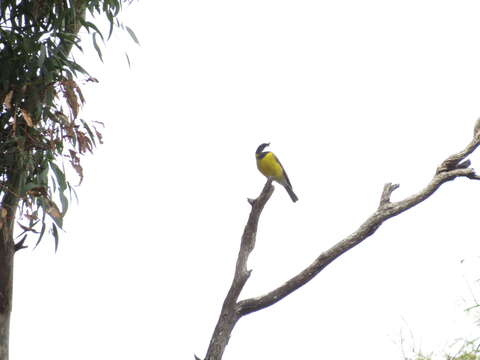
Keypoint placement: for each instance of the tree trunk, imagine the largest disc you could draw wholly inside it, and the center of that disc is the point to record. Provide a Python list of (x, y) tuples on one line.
[(6, 285), (7, 251)]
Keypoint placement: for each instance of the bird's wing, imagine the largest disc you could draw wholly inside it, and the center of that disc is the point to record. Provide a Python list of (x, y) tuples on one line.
[(284, 172)]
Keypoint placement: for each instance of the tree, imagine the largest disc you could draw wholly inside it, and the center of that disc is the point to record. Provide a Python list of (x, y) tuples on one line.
[(40, 131), (232, 310)]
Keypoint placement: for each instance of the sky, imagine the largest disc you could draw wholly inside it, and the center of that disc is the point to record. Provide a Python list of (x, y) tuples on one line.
[(351, 95)]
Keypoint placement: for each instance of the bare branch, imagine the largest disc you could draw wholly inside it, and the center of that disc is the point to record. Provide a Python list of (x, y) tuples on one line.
[(248, 240), (448, 171), (229, 314), (473, 176), (232, 309)]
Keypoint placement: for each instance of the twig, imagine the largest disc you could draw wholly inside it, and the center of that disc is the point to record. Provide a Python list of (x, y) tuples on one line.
[(388, 189)]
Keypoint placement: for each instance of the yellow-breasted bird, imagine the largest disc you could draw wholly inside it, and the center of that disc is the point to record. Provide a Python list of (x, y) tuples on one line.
[(270, 166)]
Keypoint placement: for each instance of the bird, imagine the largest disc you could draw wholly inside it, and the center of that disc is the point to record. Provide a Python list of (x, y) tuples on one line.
[(269, 165)]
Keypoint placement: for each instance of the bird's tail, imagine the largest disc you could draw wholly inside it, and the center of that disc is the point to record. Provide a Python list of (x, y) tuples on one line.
[(291, 193)]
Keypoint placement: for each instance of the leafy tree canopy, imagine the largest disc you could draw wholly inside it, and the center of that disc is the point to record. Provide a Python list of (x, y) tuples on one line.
[(40, 130)]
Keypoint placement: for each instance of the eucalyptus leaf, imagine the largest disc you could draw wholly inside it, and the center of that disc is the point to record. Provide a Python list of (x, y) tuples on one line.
[(132, 34), (97, 48), (55, 236), (60, 176)]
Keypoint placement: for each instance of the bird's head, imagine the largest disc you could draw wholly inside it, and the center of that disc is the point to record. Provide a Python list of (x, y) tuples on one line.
[(261, 147)]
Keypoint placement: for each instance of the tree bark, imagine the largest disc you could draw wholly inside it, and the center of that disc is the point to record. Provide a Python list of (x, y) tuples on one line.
[(230, 314), (6, 286), (7, 251)]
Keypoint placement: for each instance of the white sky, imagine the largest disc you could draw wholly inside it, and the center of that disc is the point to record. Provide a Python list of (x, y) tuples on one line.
[(351, 94)]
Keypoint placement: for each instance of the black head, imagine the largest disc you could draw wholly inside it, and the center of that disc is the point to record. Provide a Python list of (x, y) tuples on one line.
[(261, 147)]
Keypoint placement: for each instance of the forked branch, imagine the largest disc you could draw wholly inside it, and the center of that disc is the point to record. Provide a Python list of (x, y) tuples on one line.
[(230, 314), (454, 166)]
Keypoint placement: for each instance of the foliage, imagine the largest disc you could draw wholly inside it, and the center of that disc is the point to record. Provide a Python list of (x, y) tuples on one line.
[(40, 99), (468, 350), (461, 349)]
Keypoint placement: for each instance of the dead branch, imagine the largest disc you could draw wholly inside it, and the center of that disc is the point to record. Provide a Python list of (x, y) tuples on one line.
[(451, 168), (230, 314)]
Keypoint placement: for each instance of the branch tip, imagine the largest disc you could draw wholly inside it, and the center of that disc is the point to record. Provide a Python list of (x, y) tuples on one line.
[(473, 176), (268, 185), (266, 191), (388, 189)]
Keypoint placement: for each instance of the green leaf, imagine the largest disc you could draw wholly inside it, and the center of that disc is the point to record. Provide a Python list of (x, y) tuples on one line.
[(59, 175), (89, 131), (64, 202), (89, 24), (97, 48), (110, 19), (132, 34), (55, 236), (42, 231), (72, 191), (54, 184), (128, 61), (76, 67)]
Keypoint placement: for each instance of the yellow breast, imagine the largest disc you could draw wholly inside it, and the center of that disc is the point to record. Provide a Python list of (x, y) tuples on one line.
[(270, 167)]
